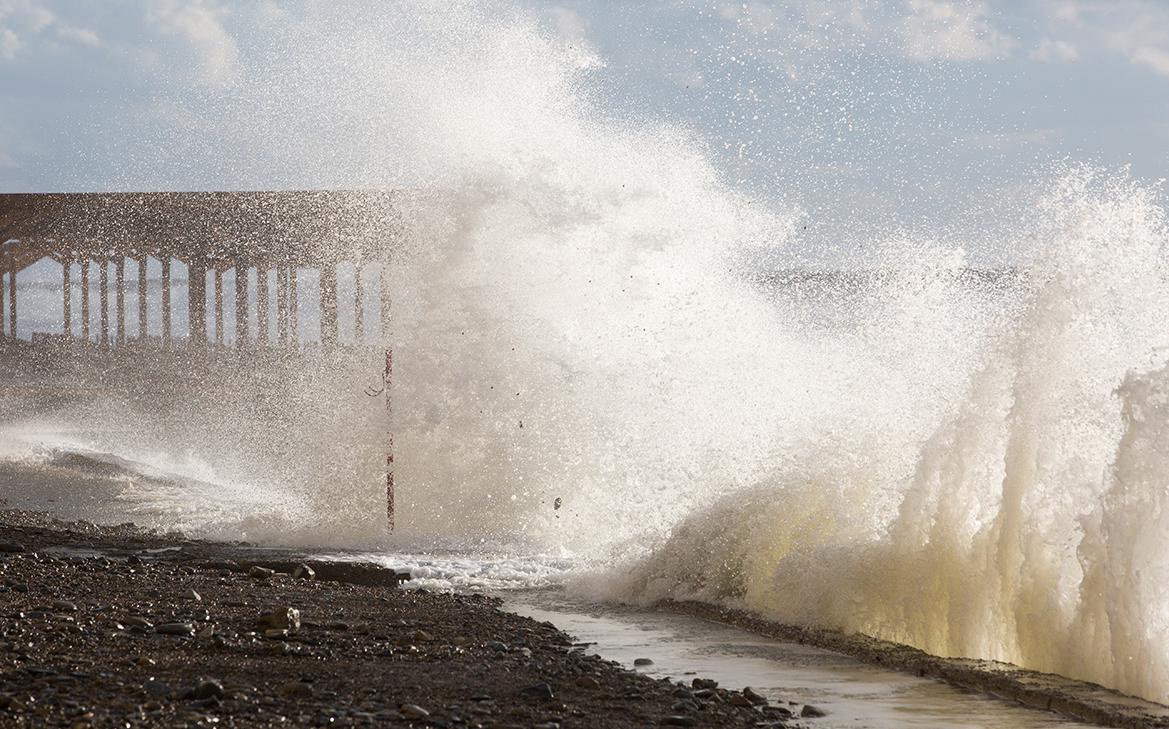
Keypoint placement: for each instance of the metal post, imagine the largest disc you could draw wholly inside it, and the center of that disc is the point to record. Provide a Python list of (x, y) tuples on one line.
[(67, 298), (387, 385), (120, 298), (85, 299), (103, 298)]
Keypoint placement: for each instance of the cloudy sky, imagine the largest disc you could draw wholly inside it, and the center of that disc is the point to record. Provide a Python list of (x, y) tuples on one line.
[(849, 108)]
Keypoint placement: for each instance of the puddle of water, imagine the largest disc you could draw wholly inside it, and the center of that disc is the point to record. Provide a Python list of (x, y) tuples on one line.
[(856, 695)]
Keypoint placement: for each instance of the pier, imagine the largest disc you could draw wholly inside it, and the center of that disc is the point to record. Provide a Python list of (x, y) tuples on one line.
[(271, 245), (265, 239)]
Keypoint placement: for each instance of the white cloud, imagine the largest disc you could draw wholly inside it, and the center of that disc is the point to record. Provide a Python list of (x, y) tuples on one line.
[(568, 23), (1135, 29), (1152, 57), (81, 36), (216, 55), (23, 20), (952, 30), (9, 44), (1052, 51)]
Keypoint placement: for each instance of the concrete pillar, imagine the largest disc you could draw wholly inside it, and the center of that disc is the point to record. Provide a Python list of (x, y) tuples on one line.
[(263, 296), (143, 293), (218, 305), (120, 299), (3, 304), (85, 299), (328, 286), (242, 335), (282, 304), (166, 333), (12, 304), (358, 305), (197, 300), (67, 298), (103, 298), (293, 308)]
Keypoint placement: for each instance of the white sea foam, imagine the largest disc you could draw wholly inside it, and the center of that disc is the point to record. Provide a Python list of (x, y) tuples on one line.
[(974, 467)]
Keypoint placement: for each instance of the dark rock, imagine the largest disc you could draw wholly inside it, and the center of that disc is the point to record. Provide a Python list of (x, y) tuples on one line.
[(588, 682), (207, 690), (175, 629), (539, 691), (260, 573), (812, 712), (64, 606), (643, 661), (297, 690), (754, 696), (679, 721), (740, 700), (12, 548), (414, 712), (156, 688), (135, 622), (704, 683)]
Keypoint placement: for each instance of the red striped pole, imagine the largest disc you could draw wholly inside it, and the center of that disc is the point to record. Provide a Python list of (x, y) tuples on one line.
[(387, 382)]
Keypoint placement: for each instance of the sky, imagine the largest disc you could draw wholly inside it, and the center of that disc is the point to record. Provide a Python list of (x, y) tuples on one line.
[(858, 110)]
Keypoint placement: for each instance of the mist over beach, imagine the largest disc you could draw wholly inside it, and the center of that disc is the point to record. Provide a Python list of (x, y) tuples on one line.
[(848, 316)]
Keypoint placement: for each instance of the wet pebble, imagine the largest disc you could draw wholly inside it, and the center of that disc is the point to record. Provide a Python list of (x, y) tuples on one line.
[(175, 629)]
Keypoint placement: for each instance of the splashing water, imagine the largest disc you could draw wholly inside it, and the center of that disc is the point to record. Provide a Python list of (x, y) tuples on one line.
[(969, 464)]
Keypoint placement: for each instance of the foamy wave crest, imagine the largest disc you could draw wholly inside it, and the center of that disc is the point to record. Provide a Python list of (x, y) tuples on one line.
[(1029, 524)]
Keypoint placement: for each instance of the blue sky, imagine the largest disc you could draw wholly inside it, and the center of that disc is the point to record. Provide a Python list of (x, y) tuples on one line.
[(852, 109)]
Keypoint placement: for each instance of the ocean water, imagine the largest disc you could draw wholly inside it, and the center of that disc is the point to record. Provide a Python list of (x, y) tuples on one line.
[(600, 383)]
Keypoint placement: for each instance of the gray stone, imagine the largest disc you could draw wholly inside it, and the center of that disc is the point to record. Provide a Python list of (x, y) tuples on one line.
[(414, 712), (643, 661), (283, 618), (812, 712), (176, 629), (260, 573), (304, 572)]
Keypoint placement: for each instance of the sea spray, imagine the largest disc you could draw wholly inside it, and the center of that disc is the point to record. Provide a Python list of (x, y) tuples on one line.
[(1026, 525), (909, 449)]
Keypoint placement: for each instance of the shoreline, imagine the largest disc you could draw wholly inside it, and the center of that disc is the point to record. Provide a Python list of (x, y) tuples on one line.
[(104, 626), (1069, 698)]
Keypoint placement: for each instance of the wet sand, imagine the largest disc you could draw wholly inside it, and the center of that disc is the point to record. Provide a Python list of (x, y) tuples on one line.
[(115, 626)]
